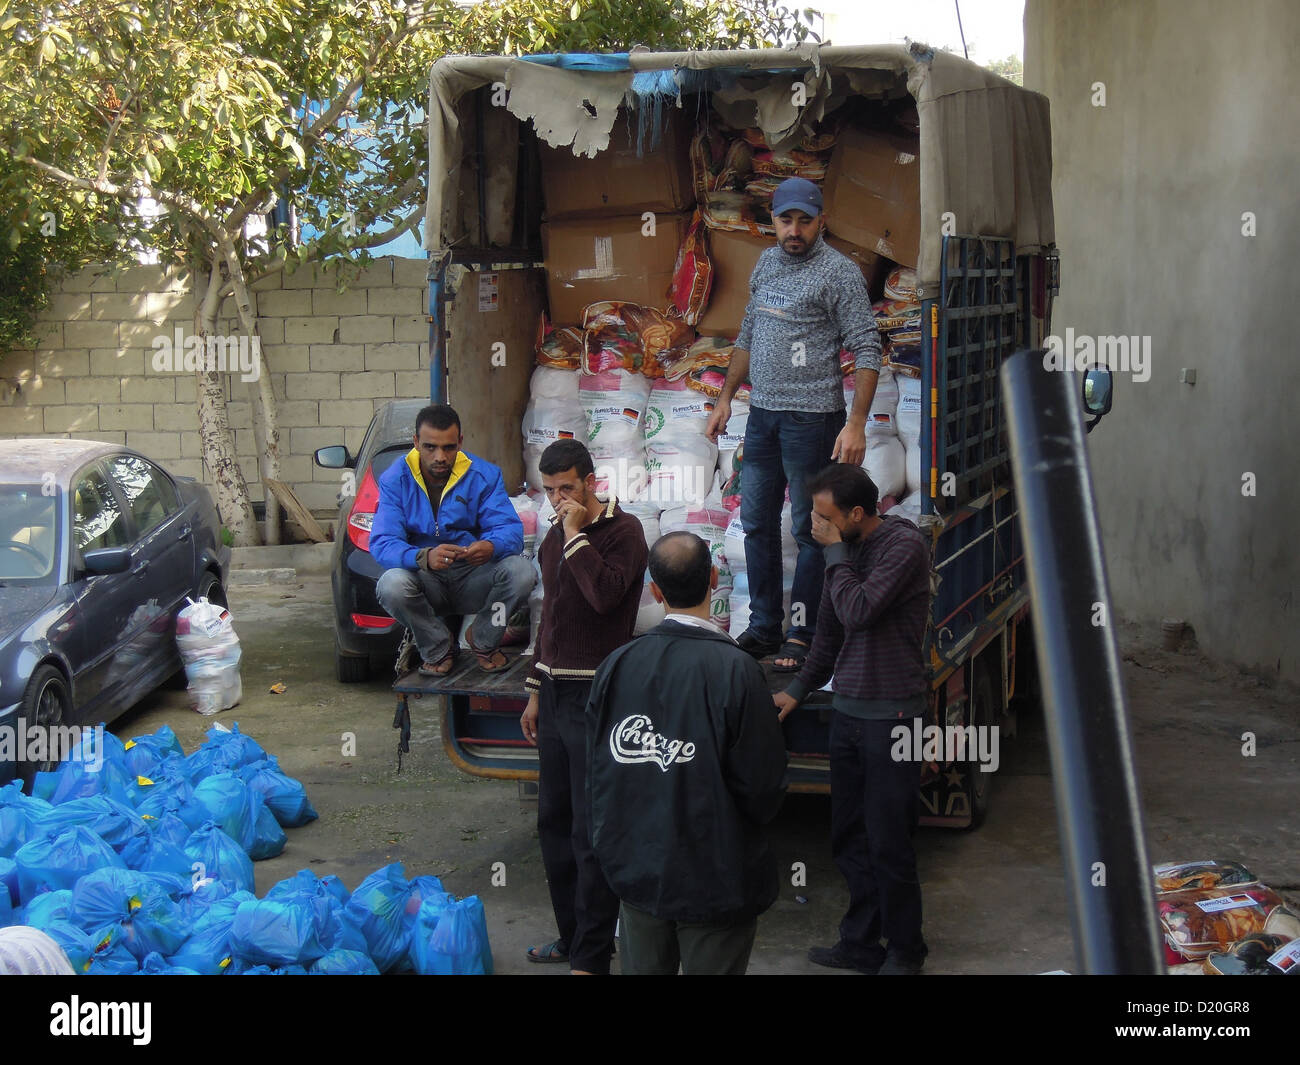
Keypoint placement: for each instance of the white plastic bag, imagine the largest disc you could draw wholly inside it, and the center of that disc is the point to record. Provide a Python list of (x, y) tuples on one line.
[(206, 640)]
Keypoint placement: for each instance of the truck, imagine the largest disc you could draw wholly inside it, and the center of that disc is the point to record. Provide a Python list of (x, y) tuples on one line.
[(987, 270)]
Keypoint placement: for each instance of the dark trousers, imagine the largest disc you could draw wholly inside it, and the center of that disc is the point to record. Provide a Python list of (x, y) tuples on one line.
[(652, 947), (585, 907), (874, 806)]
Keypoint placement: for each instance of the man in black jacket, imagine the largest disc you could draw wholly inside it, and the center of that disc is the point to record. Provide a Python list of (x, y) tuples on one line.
[(687, 763)]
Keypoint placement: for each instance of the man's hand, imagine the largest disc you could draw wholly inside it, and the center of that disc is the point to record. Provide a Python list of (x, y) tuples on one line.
[(850, 445), (823, 531), (528, 720), (718, 419), (784, 703), (573, 516), (478, 552), (442, 556)]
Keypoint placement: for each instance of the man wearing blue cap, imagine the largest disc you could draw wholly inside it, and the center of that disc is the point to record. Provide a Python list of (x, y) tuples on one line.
[(807, 302)]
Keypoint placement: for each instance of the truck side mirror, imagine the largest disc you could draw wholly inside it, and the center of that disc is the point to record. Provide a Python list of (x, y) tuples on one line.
[(1096, 394)]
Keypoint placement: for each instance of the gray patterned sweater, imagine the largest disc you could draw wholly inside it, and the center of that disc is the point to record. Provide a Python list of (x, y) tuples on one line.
[(802, 310)]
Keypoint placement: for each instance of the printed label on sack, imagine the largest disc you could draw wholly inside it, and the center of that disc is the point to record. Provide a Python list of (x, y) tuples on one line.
[(693, 409), (736, 528), (635, 740), (631, 415), (1228, 902), (1287, 958), (730, 441), (545, 434)]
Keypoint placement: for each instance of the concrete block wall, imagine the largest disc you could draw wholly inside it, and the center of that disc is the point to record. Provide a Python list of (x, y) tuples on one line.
[(333, 358)]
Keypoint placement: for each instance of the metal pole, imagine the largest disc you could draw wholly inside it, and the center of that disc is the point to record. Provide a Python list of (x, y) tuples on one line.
[(1108, 874), (437, 329)]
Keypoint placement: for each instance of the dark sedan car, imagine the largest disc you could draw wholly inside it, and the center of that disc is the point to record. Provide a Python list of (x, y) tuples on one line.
[(363, 630), (99, 547)]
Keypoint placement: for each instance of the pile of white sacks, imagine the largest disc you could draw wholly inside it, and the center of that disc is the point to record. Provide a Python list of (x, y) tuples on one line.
[(647, 442)]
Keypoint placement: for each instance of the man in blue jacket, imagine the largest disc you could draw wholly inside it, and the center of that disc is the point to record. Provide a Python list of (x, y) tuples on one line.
[(451, 542)]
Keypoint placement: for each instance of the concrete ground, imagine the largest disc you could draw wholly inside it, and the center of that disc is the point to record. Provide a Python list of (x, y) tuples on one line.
[(994, 898)]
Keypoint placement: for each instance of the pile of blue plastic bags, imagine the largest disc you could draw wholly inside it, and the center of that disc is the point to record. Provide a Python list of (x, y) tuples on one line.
[(136, 858)]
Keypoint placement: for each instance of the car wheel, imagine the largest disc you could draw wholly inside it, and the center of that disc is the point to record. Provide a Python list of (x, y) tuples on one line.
[(350, 669), (46, 704), (210, 588), (978, 783)]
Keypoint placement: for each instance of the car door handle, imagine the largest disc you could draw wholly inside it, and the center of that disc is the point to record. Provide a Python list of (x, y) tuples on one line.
[(142, 568), (183, 533)]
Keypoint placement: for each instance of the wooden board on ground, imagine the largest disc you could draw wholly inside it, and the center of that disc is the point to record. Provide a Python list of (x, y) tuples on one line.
[(293, 506)]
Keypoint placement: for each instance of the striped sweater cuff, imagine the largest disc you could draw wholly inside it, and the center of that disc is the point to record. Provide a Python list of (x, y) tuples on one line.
[(576, 544)]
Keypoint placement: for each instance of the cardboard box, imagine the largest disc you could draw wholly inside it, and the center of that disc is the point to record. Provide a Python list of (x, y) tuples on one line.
[(873, 193), (874, 267), (617, 182), (734, 256), (609, 259)]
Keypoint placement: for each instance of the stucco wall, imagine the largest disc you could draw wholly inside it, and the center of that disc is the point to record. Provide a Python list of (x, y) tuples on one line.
[(1199, 127)]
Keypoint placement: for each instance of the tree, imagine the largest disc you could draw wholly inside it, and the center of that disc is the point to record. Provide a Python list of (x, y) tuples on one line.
[(218, 111), (1010, 68)]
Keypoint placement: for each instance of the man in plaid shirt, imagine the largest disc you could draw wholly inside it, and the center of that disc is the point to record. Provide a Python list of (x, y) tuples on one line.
[(870, 628)]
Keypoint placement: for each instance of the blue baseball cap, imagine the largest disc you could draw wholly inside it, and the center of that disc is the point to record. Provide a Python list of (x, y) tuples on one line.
[(797, 194)]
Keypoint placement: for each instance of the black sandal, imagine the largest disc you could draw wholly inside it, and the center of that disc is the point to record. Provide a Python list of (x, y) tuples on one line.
[(791, 649), (756, 647)]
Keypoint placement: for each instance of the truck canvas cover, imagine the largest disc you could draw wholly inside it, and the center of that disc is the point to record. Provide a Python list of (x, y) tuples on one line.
[(986, 163)]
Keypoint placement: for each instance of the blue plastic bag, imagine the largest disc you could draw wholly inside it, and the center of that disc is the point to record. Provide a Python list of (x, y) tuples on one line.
[(283, 931), (147, 919), (75, 942), (144, 754), (284, 796), (46, 907), (9, 882), (236, 748), (268, 837), (228, 803), (116, 823), (379, 903), (19, 815), (451, 939), (170, 827), (6, 910), (171, 792), (343, 931), (343, 963), (75, 780), (195, 900), (158, 854), (156, 965), (111, 955), (208, 950), (59, 860), (219, 857), (271, 970)]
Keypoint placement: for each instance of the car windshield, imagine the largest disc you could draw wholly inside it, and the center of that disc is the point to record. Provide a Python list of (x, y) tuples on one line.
[(28, 534)]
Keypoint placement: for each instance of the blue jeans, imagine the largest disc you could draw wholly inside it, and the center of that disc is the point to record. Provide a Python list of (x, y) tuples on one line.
[(783, 447)]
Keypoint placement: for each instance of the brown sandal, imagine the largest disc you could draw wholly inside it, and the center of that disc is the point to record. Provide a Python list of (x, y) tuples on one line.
[(494, 661), (440, 668)]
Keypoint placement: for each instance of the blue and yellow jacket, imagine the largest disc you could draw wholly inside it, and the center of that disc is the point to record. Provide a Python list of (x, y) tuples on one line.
[(473, 506)]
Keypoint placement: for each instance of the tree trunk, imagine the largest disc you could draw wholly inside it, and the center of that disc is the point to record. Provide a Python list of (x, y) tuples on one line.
[(266, 421), (227, 479)]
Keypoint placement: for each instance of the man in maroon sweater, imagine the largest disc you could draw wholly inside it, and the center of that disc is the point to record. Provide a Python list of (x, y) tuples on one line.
[(870, 629), (593, 563)]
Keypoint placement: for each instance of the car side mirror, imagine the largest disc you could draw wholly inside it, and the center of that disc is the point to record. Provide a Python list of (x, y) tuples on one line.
[(335, 457), (1097, 394), (105, 560)]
